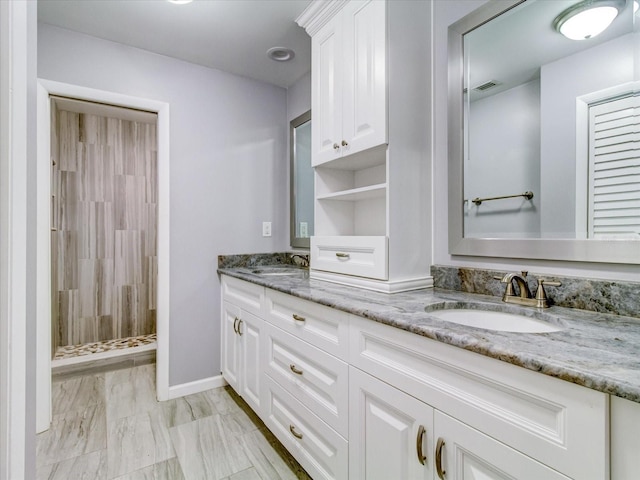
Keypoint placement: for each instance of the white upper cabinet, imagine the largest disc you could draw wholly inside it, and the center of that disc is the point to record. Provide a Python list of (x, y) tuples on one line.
[(370, 142), (349, 98)]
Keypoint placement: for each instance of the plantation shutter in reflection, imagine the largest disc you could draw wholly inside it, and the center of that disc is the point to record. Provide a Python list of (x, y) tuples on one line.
[(614, 169)]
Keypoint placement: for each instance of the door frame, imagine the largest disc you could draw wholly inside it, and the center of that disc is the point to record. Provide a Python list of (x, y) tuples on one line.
[(43, 315)]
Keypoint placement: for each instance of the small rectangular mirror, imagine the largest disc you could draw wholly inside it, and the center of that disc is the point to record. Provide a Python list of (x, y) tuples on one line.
[(301, 174)]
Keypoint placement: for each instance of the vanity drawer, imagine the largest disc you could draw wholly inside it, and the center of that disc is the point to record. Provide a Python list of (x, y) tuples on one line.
[(561, 424), (247, 296), (323, 327), (359, 256), (319, 380), (319, 449)]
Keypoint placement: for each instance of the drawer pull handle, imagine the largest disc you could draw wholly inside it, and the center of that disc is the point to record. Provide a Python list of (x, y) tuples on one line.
[(342, 255), (292, 429), (235, 324), (240, 322), (295, 369), (419, 439), (441, 472), (298, 318)]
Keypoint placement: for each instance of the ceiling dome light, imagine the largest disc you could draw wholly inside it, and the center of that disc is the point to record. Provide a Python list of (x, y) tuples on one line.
[(280, 54), (588, 18), (180, 2)]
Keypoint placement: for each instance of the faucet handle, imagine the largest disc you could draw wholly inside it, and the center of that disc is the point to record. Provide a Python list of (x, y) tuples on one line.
[(541, 295), (547, 282)]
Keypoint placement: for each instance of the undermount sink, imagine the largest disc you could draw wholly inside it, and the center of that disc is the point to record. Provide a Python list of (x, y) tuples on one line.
[(493, 320)]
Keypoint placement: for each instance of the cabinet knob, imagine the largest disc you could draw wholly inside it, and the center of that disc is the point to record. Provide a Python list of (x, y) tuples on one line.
[(439, 470), (336, 147), (344, 143), (419, 440), (295, 369), (292, 429)]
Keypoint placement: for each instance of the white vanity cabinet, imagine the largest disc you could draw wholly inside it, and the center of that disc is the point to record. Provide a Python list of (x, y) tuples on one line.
[(390, 432), (541, 419), (463, 452), (305, 395), (354, 398), (368, 154), (241, 339)]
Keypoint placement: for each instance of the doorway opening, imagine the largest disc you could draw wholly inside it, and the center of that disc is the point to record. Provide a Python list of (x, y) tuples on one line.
[(104, 217)]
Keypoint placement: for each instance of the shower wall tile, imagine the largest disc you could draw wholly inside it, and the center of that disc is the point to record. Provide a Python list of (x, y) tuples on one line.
[(96, 165), (128, 257), (105, 212), (68, 134), (69, 308), (99, 273), (106, 328), (152, 281), (95, 220), (129, 202), (151, 178), (66, 255)]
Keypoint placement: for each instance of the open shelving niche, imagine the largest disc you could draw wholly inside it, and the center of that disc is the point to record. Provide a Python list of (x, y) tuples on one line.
[(351, 195)]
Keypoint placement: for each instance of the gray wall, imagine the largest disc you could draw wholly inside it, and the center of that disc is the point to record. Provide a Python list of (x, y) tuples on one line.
[(299, 97), (562, 82), (228, 172), (504, 141)]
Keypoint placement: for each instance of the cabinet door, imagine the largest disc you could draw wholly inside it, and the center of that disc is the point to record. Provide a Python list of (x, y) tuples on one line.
[(326, 93), (249, 330), (390, 432), (230, 360), (467, 454), (364, 96)]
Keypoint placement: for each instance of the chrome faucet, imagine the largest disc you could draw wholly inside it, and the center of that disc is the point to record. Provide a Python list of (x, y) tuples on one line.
[(525, 297), (523, 286)]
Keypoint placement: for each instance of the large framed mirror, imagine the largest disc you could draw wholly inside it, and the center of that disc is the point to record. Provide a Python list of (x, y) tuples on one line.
[(301, 176), (544, 133)]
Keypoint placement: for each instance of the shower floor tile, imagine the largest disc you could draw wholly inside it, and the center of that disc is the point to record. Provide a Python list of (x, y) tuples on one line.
[(71, 351)]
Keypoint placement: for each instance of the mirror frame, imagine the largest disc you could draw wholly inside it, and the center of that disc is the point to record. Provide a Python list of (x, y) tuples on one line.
[(296, 242), (605, 251)]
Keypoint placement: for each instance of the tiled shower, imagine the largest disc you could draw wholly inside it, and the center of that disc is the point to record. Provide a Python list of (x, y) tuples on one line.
[(104, 228)]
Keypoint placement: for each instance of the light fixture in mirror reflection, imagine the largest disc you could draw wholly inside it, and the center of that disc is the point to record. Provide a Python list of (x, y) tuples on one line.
[(554, 117), (301, 181)]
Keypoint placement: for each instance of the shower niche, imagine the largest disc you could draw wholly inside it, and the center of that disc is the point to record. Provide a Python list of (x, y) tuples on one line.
[(104, 216)]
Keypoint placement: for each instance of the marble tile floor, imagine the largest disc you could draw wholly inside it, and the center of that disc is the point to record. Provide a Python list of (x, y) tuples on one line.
[(108, 425)]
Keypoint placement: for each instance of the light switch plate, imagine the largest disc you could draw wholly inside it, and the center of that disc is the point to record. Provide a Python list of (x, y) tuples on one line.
[(266, 229)]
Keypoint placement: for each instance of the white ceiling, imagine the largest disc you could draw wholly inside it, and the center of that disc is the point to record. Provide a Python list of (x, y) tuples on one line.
[(511, 48), (229, 35)]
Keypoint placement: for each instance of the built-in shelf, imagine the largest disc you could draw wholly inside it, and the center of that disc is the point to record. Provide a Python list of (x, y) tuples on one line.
[(354, 194)]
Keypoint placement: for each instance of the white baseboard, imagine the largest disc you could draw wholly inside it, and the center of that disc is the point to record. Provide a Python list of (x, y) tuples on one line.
[(197, 386)]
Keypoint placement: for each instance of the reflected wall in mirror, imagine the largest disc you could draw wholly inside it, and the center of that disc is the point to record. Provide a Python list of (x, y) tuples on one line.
[(301, 181), (544, 137)]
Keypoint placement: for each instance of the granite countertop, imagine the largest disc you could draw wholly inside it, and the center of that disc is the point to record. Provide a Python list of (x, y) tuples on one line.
[(595, 350)]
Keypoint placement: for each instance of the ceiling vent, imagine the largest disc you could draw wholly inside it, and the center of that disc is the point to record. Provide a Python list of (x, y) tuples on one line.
[(487, 85)]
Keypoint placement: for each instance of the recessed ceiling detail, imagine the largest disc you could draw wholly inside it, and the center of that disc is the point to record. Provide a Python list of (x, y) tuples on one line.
[(280, 54)]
